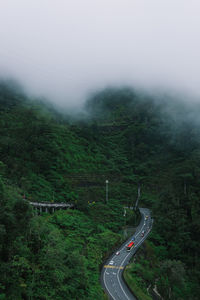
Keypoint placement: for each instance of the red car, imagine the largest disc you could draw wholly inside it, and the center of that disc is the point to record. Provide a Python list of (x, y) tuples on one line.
[(130, 246)]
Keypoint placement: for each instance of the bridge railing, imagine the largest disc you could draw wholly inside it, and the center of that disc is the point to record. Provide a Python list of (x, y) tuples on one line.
[(48, 207)]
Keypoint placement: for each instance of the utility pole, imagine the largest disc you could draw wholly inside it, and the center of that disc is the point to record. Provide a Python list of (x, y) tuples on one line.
[(107, 191)]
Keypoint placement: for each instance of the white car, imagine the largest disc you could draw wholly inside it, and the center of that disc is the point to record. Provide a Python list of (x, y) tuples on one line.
[(111, 262), (117, 253)]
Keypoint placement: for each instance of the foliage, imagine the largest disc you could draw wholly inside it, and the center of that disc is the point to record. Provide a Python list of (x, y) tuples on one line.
[(127, 138)]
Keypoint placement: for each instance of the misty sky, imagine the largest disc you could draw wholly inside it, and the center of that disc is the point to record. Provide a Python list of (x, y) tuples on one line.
[(64, 49)]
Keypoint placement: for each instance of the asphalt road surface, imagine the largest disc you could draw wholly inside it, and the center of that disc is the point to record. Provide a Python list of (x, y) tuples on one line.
[(111, 275)]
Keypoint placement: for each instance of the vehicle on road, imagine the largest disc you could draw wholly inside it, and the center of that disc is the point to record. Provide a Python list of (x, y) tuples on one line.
[(117, 253), (146, 217), (130, 246), (114, 286)]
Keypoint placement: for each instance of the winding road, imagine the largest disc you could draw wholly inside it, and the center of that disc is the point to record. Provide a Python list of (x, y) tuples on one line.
[(111, 275)]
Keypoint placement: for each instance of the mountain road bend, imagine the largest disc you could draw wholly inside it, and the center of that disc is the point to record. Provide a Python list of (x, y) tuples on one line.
[(111, 274)]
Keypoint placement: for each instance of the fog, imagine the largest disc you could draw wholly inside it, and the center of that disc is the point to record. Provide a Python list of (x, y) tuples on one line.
[(66, 49)]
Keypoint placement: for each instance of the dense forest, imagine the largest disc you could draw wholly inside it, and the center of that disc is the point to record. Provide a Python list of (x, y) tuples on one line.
[(132, 140)]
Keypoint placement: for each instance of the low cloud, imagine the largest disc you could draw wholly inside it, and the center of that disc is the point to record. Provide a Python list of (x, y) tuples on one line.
[(64, 50)]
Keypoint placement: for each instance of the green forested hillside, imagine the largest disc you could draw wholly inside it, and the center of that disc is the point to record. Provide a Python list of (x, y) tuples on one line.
[(129, 139)]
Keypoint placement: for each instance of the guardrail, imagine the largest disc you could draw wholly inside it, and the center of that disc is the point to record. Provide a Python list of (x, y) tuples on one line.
[(47, 207)]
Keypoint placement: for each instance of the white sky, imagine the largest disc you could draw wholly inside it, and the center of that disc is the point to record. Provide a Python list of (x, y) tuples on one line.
[(63, 49)]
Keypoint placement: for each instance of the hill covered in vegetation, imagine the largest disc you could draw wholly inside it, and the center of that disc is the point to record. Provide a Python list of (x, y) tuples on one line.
[(132, 140)]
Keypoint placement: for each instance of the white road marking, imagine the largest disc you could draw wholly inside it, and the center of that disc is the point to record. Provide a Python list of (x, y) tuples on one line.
[(122, 265), (107, 287), (118, 277), (111, 262)]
